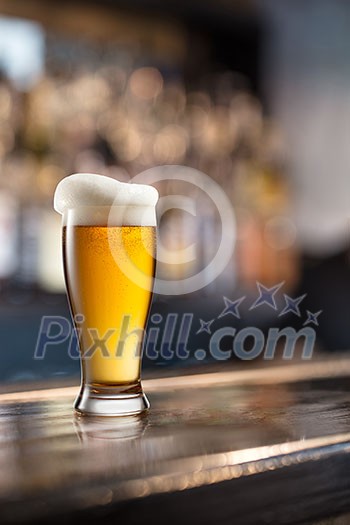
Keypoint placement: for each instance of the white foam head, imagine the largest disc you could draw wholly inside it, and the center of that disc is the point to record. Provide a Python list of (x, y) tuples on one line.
[(90, 199)]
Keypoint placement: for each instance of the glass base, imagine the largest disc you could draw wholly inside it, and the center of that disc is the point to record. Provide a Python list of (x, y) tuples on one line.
[(93, 428), (98, 401)]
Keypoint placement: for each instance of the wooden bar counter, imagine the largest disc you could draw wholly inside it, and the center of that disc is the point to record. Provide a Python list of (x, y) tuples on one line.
[(251, 446)]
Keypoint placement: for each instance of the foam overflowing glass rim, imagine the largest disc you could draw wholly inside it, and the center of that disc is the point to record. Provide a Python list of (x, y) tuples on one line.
[(91, 199)]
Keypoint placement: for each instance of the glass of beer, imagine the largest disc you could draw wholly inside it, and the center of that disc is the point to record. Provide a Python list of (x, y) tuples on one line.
[(109, 243)]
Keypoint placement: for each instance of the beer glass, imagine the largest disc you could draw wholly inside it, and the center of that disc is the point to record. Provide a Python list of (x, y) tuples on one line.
[(109, 265)]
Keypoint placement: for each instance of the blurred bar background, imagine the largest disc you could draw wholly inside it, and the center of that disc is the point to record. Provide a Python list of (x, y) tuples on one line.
[(256, 94)]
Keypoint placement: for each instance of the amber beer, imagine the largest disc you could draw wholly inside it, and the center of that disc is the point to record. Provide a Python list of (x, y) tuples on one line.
[(109, 271), (113, 305)]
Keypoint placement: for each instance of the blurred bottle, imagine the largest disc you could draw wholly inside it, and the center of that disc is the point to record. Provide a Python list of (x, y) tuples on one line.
[(266, 246), (49, 266), (8, 237), (26, 275), (19, 170)]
